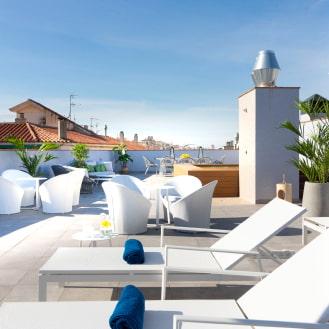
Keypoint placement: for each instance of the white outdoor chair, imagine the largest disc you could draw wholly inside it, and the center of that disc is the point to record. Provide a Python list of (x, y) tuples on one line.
[(80, 173), (221, 160), (133, 183), (294, 295), (185, 160), (182, 186), (150, 164), (193, 210), (23, 180), (181, 263), (57, 193), (167, 165), (204, 160), (128, 208), (11, 196)]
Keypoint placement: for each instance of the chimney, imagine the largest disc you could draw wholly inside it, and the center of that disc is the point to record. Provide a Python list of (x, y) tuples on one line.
[(105, 130), (62, 129), (136, 139), (21, 118), (266, 69), (122, 137)]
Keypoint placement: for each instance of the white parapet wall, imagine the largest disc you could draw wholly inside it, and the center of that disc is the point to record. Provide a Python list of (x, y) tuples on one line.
[(10, 160)]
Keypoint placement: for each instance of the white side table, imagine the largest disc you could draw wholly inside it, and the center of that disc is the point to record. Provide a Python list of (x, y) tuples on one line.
[(318, 224), (159, 188), (93, 237), (37, 185), (102, 177)]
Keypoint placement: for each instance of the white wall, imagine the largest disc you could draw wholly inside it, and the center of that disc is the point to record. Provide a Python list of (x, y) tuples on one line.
[(263, 157), (9, 159)]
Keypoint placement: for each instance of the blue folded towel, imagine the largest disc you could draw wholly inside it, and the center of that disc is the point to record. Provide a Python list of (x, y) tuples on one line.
[(133, 252), (129, 311)]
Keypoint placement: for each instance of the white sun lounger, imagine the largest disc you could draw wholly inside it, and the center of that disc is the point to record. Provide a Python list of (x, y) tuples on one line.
[(296, 291), (180, 263)]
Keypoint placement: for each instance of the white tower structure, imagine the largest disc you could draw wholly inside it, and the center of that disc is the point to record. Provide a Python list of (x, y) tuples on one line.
[(263, 159)]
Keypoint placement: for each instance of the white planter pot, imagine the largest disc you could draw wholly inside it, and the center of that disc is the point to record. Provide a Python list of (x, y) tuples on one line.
[(316, 199)]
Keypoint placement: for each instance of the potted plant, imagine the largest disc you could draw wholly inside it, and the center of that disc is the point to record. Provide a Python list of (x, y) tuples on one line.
[(123, 157), (31, 162), (312, 148), (81, 154)]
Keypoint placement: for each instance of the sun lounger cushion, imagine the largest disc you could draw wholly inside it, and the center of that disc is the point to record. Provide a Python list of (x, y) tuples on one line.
[(133, 252), (129, 311)]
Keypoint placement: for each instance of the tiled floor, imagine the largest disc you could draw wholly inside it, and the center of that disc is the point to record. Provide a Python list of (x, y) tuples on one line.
[(29, 238)]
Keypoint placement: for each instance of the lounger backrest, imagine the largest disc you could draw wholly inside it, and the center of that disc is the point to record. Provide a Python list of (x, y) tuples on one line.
[(297, 290), (256, 230)]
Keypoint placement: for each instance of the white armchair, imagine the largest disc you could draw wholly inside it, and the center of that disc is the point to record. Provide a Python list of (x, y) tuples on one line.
[(80, 173), (183, 185), (128, 208), (133, 183), (22, 179), (11, 196), (57, 193), (193, 210)]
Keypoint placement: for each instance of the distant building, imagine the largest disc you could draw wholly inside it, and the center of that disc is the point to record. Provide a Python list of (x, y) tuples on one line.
[(36, 123)]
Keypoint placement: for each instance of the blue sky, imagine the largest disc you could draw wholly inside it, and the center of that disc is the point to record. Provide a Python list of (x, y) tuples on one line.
[(171, 69)]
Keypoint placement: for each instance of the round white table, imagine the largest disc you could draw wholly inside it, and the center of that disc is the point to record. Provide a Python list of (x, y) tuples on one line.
[(93, 237)]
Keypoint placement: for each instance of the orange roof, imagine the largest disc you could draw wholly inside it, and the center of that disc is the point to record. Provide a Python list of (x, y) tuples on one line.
[(133, 146), (31, 133), (26, 131)]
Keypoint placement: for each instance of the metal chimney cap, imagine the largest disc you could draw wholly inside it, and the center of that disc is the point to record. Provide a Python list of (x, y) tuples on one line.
[(266, 69), (266, 60)]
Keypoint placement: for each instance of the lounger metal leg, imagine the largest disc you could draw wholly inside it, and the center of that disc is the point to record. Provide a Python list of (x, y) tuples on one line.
[(304, 233), (164, 284), (42, 288)]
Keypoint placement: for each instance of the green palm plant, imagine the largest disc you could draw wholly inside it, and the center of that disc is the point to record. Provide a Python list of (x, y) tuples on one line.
[(123, 156), (312, 148), (31, 162), (81, 153)]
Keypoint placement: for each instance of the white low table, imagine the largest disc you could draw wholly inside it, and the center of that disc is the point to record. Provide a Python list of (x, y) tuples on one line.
[(159, 188), (318, 224), (102, 177), (93, 238)]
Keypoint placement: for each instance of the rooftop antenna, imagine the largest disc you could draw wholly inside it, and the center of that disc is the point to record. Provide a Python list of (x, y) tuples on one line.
[(71, 105), (91, 122)]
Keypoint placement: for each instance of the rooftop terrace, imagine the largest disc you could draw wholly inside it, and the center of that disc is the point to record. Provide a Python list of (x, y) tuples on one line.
[(29, 238)]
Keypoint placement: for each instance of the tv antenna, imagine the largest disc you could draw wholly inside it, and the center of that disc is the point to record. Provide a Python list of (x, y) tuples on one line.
[(91, 122), (72, 104)]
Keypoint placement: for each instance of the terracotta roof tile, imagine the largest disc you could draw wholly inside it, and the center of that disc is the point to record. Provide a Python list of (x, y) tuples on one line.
[(32, 133), (47, 136), (22, 130), (132, 146)]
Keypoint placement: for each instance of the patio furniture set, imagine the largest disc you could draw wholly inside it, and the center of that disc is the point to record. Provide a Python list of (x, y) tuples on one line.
[(177, 263), (167, 163), (280, 299), (185, 202), (22, 191), (58, 194)]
